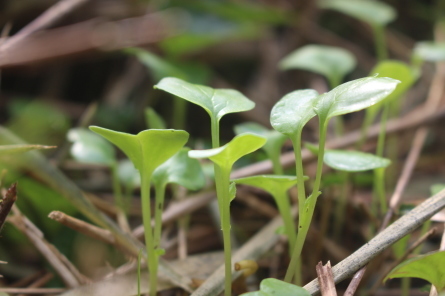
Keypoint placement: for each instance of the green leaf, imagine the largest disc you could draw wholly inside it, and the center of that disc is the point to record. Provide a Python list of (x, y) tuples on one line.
[(354, 161), (428, 267), (274, 287), (353, 96), (226, 155), (275, 140), (148, 149), (369, 11), (273, 184), (293, 111), (128, 174), (88, 147), (153, 119), (216, 102), (19, 148), (180, 169), (332, 62), (430, 51)]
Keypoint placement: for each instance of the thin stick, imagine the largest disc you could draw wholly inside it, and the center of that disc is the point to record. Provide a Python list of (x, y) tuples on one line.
[(46, 19), (66, 270), (353, 285), (384, 239), (7, 202), (33, 290)]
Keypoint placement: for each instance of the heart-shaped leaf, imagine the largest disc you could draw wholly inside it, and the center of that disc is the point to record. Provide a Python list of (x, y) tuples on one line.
[(180, 169), (293, 111), (430, 51), (148, 149), (216, 102), (274, 184), (88, 147), (354, 161), (13, 149), (428, 267), (332, 62), (354, 96), (226, 155), (273, 287), (369, 11)]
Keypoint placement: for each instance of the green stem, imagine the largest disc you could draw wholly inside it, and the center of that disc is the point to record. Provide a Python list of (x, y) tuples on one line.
[(139, 272), (215, 132), (179, 111), (276, 163), (152, 259), (299, 171), (283, 203), (340, 208), (307, 210), (380, 42), (117, 190), (222, 189), (369, 117), (160, 195)]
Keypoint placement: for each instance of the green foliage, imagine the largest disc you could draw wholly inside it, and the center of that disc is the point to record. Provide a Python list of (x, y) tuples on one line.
[(332, 62), (216, 102), (273, 184), (354, 161), (428, 267), (6, 150), (154, 120), (369, 11), (293, 111), (429, 51), (272, 287), (128, 174)]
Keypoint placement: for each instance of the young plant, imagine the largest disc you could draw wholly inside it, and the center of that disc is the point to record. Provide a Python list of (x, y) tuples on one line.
[(277, 186), (376, 14), (428, 51), (294, 110), (92, 149), (332, 62), (217, 103), (181, 170), (147, 150), (224, 157), (275, 141)]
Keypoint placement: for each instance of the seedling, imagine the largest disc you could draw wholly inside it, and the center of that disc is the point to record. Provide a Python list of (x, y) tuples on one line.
[(376, 14), (217, 103), (277, 186), (224, 157), (428, 267), (429, 51), (275, 141), (271, 287), (147, 150), (180, 170), (294, 110), (332, 62)]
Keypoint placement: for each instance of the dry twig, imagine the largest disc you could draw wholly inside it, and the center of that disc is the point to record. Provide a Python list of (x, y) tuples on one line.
[(326, 279)]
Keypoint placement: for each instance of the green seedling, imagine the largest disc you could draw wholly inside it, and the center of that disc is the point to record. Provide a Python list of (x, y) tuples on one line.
[(351, 161), (272, 287), (332, 62), (224, 157), (128, 176), (147, 150), (181, 170), (153, 120), (375, 13), (275, 141), (277, 186), (294, 110), (90, 148), (428, 267)]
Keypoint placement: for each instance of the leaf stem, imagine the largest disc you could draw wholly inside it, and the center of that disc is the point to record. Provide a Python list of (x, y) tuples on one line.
[(380, 42), (160, 195), (152, 259)]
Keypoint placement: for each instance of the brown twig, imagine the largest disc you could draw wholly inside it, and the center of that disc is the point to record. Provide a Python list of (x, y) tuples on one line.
[(7, 202), (326, 279), (37, 291), (65, 269), (41, 281), (46, 19)]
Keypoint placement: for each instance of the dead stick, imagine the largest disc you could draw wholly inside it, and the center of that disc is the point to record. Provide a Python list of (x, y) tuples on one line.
[(326, 279), (32, 290), (6, 203)]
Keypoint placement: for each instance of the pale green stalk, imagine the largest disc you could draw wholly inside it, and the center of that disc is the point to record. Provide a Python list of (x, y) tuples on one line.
[(380, 42), (160, 196)]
